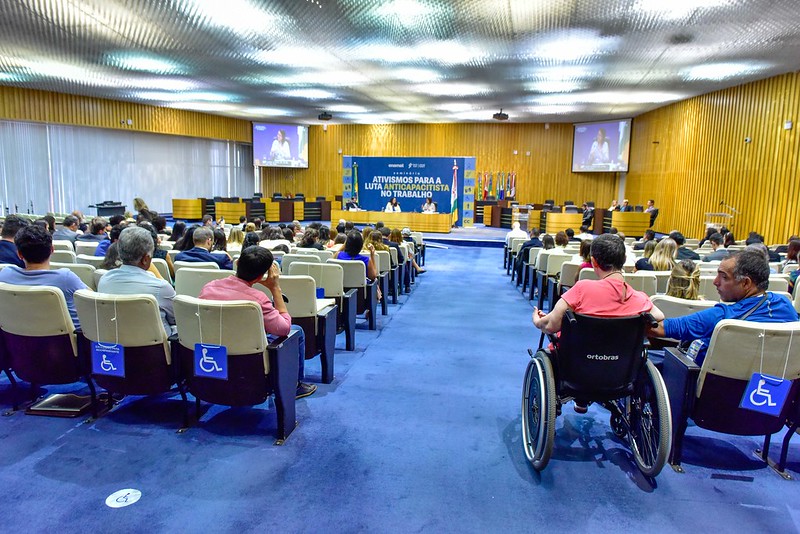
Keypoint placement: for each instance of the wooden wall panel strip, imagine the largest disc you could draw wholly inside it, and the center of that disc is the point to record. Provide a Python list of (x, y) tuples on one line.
[(690, 155), (43, 106)]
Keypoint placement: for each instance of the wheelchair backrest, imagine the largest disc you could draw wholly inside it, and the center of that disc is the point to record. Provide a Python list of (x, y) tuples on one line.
[(600, 354)]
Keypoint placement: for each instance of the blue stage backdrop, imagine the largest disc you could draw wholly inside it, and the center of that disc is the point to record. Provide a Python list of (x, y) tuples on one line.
[(373, 181)]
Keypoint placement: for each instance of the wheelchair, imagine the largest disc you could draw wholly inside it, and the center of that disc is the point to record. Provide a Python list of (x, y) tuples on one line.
[(604, 361)]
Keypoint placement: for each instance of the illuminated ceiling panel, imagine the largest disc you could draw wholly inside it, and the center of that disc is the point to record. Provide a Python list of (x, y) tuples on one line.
[(375, 61)]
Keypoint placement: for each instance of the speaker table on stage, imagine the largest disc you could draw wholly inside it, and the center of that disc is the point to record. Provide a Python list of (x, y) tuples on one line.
[(109, 208)]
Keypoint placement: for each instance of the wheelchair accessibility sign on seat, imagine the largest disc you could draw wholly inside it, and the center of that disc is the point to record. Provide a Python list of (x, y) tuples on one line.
[(211, 361), (765, 394), (108, 359)]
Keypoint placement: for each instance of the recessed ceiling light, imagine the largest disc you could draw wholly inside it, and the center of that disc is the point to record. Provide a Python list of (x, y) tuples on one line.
[(202, 106), (295, 57), (311, 94), (238, 16), (407, 12), (348, 108), (572, 45), (144, 63), (451, 89), (555, 86), (266, 112), (677, 9), (721, 71)]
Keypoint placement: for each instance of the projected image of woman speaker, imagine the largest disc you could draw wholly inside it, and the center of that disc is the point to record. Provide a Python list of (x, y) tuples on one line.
[(280, 147)]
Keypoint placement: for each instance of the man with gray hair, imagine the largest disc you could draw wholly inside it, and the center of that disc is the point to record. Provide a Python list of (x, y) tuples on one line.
[(135, 247), (203, 239)]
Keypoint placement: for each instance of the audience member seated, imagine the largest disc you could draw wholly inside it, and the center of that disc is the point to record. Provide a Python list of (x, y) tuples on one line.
[(376, 240), (584, 235), (68, 230), (684, 281), (643, 263), (792, 251), (783, 249), (310, 239), (728, 239), (405, 235), (254, 263), (250, 239), (683, 253), (609, 296), (742, 279), (561, 239), (325, 237), (203, 239), (187, 241), (113, 235), (386, 232), (571, 236), (135, 247), (709, 232), (756, 238), (34, 246), (8, 250), (352, 251), (51, 223), (158, 253), (663, 258), (97, 231), (235, 240), (178, 229), (514, 232), (524, 252), (649, 235), (720, 252)]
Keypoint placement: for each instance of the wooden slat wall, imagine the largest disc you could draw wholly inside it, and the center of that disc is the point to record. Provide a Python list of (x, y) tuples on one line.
[(690, 155), (43, 106), (542, 175)]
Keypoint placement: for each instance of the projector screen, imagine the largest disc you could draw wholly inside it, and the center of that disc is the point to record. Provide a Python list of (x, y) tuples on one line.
[(601, 146), (280, 145)]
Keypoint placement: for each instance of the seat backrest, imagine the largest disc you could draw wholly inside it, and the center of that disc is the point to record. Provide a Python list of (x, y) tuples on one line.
[(63, 244), (190, 282), (736, 348), (418, 238), (301, 291), (541, 259), (35, 311), (588, 274), (778, 283), (384, 261), (569, 273), (533, 253), (328, 276), (286, 262), (555, 262), (662, 280), (162, 268), (129, 320), (354, 271), (86, 247), (601, 355), (644, 281), (393, 255), (83, 271), (707, 288), (516, 243), (94, 261), (63, 256), (178, 265), (673, 307), (98, 274), (236, 324)]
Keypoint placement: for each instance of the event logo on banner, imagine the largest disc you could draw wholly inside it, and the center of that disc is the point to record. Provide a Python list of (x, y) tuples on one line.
[(410, 180)]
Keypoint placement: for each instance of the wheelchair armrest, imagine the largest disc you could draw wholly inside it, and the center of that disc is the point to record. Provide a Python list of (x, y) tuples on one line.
[(650, 320), (569, 315)]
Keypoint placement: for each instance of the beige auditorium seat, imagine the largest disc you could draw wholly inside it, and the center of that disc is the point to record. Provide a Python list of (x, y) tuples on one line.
[(707, 288), (63, 256), (587, 274), (255, 369), (178, 265), (568, 276), (779, 282), (94, 261), (98, 274), (644, 281), (133, 321), (86, 247), (163, 268), (355, 277), (286, 261), (63, 244), (330, 278), (662, 281), (83, 271), (40, 340), (190, 281), (317, 317)]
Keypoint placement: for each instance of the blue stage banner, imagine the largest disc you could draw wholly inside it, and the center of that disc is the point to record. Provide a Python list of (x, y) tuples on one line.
[(410, 180)]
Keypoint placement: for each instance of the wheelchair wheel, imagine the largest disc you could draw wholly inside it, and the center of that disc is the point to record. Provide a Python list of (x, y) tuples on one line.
[(650, 421), (539, 411)]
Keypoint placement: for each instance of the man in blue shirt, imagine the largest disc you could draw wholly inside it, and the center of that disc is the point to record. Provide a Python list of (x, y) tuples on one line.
[(742, 279), (35, 246), (8, 250), (203, 238)]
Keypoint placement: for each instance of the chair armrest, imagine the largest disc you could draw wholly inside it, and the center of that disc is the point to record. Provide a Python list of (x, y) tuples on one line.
[(284, 365)]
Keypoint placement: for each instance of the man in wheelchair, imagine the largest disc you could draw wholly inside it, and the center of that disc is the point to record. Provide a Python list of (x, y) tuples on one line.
[(598, 357)]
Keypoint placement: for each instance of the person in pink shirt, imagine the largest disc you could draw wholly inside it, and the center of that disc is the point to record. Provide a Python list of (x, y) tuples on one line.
[(609, 296), (254, 263)]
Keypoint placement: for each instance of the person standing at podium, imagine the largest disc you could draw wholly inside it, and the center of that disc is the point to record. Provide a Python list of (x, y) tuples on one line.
[(392, 205)]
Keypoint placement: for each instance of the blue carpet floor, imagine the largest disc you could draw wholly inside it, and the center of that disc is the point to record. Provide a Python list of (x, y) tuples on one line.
[(420, 432)]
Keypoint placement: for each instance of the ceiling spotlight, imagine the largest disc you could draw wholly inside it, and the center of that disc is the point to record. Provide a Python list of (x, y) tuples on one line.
[(500, 116), (325, 116)]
